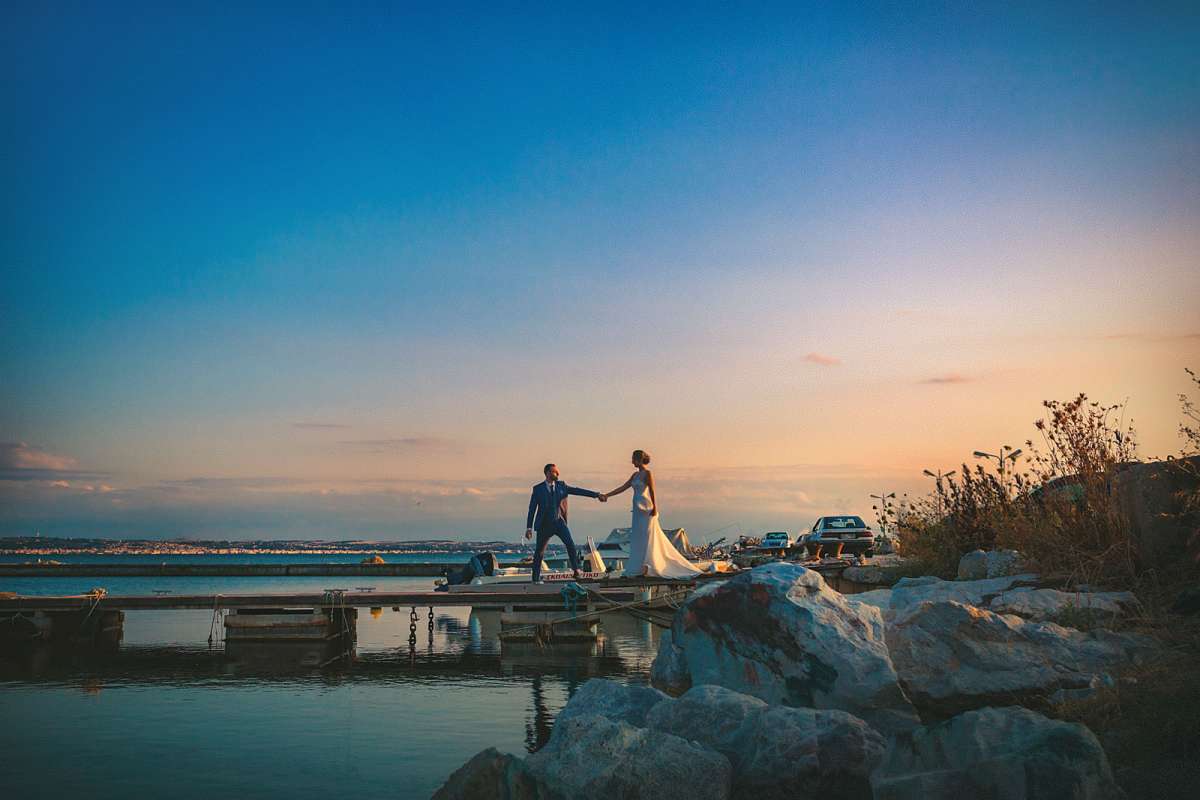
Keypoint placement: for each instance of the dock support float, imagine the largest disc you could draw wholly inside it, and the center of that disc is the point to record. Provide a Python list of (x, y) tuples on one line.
[(87, 627), (312, 636)]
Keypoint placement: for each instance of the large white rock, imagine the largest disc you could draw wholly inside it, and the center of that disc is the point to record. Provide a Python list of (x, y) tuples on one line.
[(616, 701), (979, 564), (881, 570), (973, 566), (879, 598), (777, 752), (910, 592), (595, 757), (952, 657), (1044, 604), (996, 754), (780, 634)]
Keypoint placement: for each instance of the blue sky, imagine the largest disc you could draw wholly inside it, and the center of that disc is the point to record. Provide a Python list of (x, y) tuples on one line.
[(223, 227)]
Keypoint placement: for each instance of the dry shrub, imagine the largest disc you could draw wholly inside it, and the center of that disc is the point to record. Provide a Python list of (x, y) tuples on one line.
[(1189, 431), (1189, 428), (967, 512), (1060, 511), (1073, 522)]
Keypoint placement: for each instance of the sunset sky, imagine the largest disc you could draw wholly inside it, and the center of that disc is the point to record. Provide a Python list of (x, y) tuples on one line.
[(339, 275)]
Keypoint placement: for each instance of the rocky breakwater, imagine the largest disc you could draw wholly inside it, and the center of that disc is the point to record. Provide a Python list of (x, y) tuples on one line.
[(773, 685), (618, 741), (781, 634), (1008, 753), (881, 570), (953, 657)]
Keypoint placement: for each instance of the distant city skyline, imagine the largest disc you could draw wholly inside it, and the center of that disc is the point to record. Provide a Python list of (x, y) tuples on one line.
[(359, 275)]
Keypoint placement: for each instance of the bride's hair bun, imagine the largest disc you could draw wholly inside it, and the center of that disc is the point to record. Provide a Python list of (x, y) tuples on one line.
[(641, 457)]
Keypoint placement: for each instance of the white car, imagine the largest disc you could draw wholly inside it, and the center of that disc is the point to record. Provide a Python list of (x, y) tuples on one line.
[(842, 533), (776, 540)]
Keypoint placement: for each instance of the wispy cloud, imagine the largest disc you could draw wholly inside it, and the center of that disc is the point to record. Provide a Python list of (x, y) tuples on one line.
[(227, 484), (822, 360), (18, 455), (401, 444), (1155, 337), (23, 462), (320, 426), (950, 377)]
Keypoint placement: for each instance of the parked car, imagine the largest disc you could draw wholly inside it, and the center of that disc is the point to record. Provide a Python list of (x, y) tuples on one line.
[(776, 540), (844, 534)]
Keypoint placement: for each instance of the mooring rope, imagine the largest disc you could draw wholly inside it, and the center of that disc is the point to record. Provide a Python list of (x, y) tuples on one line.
[(632, 607), (644, 614), (95, 596)]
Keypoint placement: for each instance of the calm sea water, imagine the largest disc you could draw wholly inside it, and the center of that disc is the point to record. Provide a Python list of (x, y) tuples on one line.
[(170, 715)]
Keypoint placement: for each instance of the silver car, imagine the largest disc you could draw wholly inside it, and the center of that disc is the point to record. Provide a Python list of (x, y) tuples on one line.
[(843, 534)]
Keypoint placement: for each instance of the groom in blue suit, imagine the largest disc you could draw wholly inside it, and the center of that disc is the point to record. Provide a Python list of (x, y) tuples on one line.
[(548, 504)]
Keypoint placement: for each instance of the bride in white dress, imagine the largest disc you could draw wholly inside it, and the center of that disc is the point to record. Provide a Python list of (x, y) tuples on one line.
[(650, 551)]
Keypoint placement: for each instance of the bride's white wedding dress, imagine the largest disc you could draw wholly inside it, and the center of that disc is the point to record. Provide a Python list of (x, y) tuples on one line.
[(650, 551)]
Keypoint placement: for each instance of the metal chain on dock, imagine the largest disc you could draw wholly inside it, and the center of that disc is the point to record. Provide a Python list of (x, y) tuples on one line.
[(412, 633), (218, 614)]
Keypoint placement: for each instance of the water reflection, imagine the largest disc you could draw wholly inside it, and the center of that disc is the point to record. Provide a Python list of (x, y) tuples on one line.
[(395, 722), (539, 722), (396, 727), (466, 645)]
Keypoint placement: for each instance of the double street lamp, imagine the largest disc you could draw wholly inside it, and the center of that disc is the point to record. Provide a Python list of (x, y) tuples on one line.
[(938, 477), (1004, 461), (882, 507)]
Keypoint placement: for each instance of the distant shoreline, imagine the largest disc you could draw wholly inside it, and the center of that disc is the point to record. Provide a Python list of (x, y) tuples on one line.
[(52, 546)]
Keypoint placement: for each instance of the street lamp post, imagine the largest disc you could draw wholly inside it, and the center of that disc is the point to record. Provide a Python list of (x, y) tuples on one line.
[(883, 498), (1004, 461), (938, 477)]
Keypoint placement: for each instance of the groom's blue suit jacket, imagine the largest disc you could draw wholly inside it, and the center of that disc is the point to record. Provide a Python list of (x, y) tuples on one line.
[(549, 507)]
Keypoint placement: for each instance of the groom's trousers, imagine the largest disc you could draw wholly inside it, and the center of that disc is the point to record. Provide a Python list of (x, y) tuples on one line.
[(557, 528)]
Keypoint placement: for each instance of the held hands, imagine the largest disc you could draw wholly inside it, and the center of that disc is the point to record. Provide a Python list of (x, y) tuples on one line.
[(602, 497), (654, 511), (529, 533)]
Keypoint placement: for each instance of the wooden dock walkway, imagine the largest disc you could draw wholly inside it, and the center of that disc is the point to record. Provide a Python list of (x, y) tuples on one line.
[(510, 596)]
